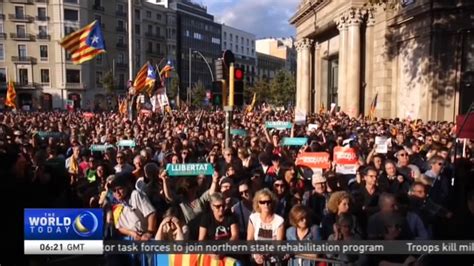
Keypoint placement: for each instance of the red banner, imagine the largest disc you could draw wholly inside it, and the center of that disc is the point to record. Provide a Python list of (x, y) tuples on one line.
[(345, 156), (88, 115), (313, 160), (468, 129)]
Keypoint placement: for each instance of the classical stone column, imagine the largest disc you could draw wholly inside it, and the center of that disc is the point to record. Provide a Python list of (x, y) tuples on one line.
[(318, 99), (354, 17), (299, 66), (369, 61), (341, 82), (305, 75)]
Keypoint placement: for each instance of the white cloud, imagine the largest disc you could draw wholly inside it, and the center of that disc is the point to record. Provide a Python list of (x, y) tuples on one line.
[(264, 18)]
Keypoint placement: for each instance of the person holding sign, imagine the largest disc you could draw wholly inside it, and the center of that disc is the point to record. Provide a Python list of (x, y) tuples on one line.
[(191, 205)]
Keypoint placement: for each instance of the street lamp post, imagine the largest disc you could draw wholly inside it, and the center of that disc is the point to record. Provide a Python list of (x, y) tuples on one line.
[(191, 51), (188, 98), (208, 66)]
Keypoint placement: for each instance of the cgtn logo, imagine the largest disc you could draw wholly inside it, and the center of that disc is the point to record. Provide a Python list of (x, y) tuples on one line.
[(62, 224)]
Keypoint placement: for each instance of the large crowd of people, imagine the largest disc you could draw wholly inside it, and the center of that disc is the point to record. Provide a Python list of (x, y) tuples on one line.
[(257, 192)]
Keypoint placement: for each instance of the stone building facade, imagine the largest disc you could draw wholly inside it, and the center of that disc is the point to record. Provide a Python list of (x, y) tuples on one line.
[(42, 72), (416, 58)]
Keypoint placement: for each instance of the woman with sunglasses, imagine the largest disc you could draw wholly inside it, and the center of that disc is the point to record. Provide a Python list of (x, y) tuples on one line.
[(265, 224), (219, 225)]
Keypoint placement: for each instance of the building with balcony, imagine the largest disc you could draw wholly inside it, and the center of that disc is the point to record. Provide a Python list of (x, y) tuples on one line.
[(283, 48), (198, 37), (242, 45), (268, 66), (418, 58), (43, 73)]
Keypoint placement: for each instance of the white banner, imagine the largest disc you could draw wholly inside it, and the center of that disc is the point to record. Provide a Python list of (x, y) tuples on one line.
[(382, 144), (346, 169), (300, 117)]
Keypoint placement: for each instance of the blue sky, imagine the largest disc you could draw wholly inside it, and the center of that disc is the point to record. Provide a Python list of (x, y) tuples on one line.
[(264, 18)]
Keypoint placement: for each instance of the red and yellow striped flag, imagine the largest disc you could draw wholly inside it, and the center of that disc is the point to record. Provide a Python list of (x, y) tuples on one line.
[(373, 105), (10, 100), (145, 78), (252, 104), (84, 44), (322, 109)]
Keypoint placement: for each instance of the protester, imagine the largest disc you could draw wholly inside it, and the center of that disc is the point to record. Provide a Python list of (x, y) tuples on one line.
[(63, 170)]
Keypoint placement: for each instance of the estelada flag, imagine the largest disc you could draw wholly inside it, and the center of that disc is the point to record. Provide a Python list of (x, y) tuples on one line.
[(373, 105), (84, 44), (194, 260), (10, 100), (145, 78), (167, 69)]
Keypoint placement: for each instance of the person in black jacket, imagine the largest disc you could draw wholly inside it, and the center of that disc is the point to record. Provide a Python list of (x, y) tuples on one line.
[(391, 181)]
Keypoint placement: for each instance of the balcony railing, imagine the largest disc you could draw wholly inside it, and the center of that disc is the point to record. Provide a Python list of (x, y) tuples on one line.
[(121, 65), (98, 8), (120, 13), (43, 37), (42, 18), (3, 36), (22, 1), (154, 53), (2, 16), (120, 29), (22, 37), (26, 85), (153, 36), (121, 45), (24, 59), (20, 18), (72, 85)]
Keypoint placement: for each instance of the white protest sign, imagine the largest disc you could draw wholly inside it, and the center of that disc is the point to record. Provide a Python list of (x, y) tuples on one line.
[(382, 144), (312, 127), (346, 169), (300, 117)]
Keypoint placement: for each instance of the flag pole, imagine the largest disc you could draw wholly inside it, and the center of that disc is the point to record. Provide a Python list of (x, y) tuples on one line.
[(130, 39)]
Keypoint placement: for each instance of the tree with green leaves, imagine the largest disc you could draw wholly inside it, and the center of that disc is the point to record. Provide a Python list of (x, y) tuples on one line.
[(108, 82), (283, 88), (173, 88), (198, 94), (262, 88)]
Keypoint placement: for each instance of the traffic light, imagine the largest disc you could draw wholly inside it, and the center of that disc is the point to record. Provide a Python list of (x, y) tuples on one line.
[(238, 86), (220, 69), (216, 93)]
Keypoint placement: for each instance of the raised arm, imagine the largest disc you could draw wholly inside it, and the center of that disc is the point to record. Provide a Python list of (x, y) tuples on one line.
[(214, 184), (166, 188)]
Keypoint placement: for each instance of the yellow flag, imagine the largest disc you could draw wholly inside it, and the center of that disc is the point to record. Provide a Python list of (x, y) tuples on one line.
[(252, 104)]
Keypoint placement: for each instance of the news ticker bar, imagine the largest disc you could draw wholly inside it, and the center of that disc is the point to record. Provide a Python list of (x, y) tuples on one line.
[(52, 247)]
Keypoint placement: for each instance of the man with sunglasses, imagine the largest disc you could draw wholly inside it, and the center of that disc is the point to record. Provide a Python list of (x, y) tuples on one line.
[(403, 160), (243, 208)]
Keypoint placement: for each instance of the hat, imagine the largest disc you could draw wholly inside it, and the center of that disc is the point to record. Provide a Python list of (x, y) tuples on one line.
[(318, 178), (121, 179), (226, 180)]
